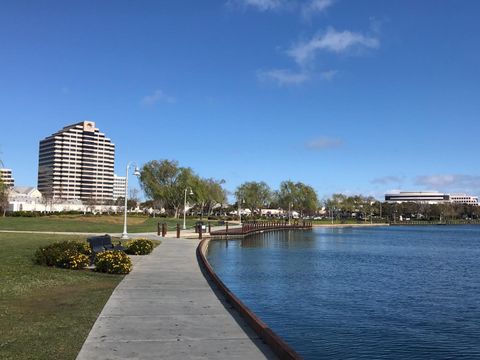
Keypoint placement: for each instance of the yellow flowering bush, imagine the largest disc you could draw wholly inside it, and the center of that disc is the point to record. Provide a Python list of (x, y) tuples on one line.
[(73, 260), (139, 247), (65, 254), (113, 262)]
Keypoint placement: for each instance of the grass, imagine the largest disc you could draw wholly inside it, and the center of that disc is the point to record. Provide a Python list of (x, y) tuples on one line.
[(89, 223), (46, 313)]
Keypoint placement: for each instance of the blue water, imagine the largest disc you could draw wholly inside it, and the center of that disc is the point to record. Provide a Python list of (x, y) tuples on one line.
[(362, 293)]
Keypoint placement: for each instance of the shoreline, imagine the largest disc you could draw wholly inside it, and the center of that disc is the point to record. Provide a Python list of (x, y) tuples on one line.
[(348, 225), (274, 342)]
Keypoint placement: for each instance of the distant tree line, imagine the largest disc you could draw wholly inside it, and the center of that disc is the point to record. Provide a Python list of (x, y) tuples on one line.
[(342, 207), (166, 184)]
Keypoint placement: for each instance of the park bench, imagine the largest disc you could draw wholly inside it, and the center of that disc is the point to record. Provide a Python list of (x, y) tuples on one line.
[(102, 243)]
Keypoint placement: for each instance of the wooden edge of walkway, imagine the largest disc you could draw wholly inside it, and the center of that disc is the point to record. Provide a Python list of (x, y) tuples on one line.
[(277, 344)]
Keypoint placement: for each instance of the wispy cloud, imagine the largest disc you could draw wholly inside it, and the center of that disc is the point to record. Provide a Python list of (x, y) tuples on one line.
[(329, 74), (388, 180), (331, 41), (323, 143), (261, 5), (156, 97), (283, 76), (313, 7), (456, 182)]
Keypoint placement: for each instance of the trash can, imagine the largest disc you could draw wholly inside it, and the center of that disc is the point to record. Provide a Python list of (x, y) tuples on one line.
[(199, 225)]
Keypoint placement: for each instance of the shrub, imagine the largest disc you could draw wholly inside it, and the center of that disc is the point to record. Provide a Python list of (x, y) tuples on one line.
[(65, 254), (113, 262), (139, 247)]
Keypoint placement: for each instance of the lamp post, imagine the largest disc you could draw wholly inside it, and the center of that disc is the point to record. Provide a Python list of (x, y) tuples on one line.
[(185, 207), (136, 173)]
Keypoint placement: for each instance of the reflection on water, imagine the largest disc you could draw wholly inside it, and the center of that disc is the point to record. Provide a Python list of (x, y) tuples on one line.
[(362, 293), (284, 239)]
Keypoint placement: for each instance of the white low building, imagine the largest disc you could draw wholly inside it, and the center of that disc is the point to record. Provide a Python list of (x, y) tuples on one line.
[(25, 198)]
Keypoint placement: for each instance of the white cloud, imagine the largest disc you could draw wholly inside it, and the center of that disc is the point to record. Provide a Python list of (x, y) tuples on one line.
[(388, 180), (450, 182), (315, 6), (329, 74), (156, 97), (323, 143), (332, 41), (283, 76), (261, 5)]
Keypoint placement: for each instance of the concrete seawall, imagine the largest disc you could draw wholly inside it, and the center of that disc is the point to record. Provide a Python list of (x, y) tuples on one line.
[(281, 348)]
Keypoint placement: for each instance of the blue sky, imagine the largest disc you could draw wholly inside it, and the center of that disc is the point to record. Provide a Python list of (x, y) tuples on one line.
[(347, 96)]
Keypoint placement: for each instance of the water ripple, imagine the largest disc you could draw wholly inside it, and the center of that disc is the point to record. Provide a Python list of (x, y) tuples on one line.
[(383, 293)]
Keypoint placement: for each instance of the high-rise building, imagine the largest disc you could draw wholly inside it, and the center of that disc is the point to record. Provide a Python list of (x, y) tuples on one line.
[(7, 178), (119, 184), (77, 162)]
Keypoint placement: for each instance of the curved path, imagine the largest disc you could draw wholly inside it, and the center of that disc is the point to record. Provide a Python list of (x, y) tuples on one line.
[(166, 309)]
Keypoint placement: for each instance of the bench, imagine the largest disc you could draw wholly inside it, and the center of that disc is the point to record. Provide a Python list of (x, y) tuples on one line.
[(102, 243)]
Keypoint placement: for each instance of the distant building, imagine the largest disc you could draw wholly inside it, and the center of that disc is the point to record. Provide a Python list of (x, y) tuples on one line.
[(76, 163), (430, 197), (412, 196), (119, 184), (464, 199), (7, 178), (25, 198)]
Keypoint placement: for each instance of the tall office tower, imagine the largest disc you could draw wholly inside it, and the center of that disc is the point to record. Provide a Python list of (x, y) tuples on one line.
[(7, 178), (119, 184), (77, 163)]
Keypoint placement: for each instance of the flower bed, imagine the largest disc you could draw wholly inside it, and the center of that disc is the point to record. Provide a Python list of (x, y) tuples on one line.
[(113, 262), (139, 247), (64, 254)]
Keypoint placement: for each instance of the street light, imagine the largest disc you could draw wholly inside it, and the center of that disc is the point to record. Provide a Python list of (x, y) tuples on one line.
[(136, 172), (185, 207)]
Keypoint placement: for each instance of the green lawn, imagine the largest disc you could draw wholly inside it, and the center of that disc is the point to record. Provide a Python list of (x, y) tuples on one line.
[(96, 224), (45, 313)]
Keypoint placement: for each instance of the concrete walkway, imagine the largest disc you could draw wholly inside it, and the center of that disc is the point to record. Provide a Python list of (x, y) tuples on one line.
[(166, 309)]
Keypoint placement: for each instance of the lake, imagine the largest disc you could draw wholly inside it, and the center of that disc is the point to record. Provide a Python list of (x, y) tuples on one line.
[(362, 293)]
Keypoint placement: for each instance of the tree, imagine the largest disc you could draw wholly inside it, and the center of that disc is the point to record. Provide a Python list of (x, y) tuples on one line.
[(166, 182), (217, 195), (209, 193), (335, 204), (307, 199), (254, 195), (297, 196), (133, 198), (4, 192), (287, 196)]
